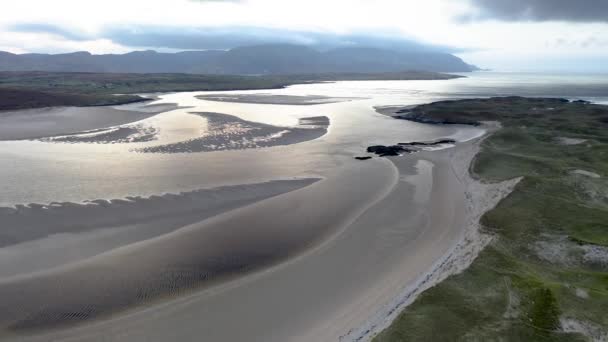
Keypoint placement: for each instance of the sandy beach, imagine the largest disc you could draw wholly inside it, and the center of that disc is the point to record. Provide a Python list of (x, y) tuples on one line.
[(345, 271)]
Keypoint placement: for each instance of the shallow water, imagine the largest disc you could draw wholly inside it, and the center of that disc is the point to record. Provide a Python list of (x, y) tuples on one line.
[(39, 172)]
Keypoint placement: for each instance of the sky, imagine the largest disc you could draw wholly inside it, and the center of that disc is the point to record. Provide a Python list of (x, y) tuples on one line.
[(504, 35)]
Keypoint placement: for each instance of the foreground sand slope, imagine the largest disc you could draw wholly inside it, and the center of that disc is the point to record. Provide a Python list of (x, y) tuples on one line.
[(199, 255)]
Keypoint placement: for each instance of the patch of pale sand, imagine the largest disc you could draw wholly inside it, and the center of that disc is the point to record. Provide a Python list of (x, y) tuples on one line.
[(586, 173), (581, 293), (595, 254), (569, 141), (557, 249), (588, 329)]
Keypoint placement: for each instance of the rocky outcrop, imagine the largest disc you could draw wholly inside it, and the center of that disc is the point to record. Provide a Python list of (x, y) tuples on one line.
[(387, 151), (429, 143)]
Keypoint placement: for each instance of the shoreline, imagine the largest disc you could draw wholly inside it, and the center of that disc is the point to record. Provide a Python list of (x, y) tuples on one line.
[(418, 247), (480, 198)]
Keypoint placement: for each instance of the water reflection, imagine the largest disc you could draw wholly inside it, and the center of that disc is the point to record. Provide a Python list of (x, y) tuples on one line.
[(42, 172)]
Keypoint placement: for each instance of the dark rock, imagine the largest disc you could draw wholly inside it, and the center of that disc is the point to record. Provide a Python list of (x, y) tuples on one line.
[(429, 143), (363, 158), (386, 151), (581, 102)]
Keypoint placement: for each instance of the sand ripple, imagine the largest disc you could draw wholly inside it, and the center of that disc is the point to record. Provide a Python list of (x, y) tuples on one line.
[(227, 132)]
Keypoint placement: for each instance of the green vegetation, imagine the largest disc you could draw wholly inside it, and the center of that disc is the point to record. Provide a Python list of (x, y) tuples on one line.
[(549, 259), (20, 90)]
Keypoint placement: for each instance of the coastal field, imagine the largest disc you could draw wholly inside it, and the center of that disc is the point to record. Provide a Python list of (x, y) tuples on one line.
[(543, 277)]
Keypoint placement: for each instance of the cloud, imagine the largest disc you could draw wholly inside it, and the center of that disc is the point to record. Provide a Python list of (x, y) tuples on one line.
[(541, 10), (206, 38), (48, 29)]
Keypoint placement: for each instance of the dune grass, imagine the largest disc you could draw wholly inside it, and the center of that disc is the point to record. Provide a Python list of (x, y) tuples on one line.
[(536, 271)]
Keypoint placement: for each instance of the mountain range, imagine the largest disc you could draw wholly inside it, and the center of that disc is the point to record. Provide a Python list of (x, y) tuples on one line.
[(249, 60)]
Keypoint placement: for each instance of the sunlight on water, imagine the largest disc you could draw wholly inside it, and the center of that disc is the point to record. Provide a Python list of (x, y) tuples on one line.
[(42, 172)]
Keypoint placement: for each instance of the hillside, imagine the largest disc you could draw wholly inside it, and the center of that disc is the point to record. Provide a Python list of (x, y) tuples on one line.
[(251, 60)]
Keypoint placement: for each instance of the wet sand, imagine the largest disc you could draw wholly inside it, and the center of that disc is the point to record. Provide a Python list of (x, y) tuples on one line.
[(40, 237), (357, 259), (46, 122), (196, 256)]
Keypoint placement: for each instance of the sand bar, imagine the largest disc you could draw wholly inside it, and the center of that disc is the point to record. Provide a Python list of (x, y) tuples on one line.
[(46, 122), (292, 100)]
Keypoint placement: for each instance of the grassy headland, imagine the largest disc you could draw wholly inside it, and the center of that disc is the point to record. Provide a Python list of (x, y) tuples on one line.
[(545, 275), (19, 90)]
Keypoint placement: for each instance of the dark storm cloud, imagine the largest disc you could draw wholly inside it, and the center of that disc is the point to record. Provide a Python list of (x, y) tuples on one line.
[(230, 37), (49, 29), (205, 38), (543, 10)]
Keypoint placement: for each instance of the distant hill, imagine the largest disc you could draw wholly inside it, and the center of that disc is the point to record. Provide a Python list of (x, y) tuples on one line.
[(269, 59)]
